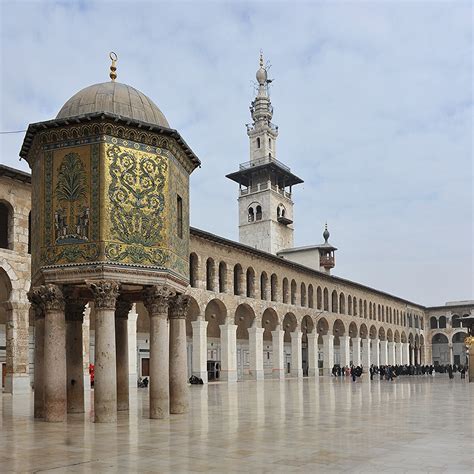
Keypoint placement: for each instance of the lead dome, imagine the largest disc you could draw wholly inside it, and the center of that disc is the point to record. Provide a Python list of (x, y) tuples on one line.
[(116, 98)]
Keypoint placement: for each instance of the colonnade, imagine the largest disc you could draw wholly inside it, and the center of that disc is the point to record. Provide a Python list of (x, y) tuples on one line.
[(59, 380)]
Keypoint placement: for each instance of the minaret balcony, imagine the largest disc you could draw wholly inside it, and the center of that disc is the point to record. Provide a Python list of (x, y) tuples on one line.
[(262, 161), (326, 262)]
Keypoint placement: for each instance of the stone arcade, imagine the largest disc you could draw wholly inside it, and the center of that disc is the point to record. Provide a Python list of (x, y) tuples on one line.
[(110, 203)]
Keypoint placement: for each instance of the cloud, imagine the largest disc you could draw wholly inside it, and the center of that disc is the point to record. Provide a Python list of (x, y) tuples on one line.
[(373, 102)]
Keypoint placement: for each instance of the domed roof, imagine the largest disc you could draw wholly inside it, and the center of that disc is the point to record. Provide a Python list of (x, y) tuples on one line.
[(116, 98)]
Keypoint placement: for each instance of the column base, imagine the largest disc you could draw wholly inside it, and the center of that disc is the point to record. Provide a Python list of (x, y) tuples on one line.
[(257, 375), (313, 372), (17, 384), (278, 374), (201, 375), (296, 373), (228, 376)]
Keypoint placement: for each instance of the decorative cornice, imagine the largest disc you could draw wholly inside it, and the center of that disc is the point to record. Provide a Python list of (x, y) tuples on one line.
[(157, 299), (179, 307), (105, 293), (48, 297)]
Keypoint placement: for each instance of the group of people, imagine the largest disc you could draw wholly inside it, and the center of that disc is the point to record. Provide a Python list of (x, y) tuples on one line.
[(389, 372)]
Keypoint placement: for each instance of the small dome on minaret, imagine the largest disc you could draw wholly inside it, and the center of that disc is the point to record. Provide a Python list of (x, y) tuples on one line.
[(261, 73), (326, 233)]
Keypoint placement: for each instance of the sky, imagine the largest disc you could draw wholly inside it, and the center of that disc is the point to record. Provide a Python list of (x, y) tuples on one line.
[(374, 103)]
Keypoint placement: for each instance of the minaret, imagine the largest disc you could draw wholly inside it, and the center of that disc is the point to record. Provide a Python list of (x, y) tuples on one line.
[(327, 260), (265, 184)]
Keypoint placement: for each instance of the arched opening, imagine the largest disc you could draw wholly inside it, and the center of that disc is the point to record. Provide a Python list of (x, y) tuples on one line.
[(456, 321), (264, 286), (338, 330), (303, 294), (440, 349), (250, 214), (244, 317), (307, 327), (342, 304), (293, 292), (269, 324), (349, 305), (193, 270), (258, 213), (274, 287), (215, 314), (354, 305), (250, 277), (222, 277), (238, 277), (459, 348), (442, 322), (319, 298), (334, 301), (365, 309), (258, 142), (6, 226), (310, 296), (326, 299), (210, 274), (29, 232), (286, 291), (191, 315)]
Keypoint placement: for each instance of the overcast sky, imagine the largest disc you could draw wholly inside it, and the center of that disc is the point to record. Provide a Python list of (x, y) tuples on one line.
[(373, 101)]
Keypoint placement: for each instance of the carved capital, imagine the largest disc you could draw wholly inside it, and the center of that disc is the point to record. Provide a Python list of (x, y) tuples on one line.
[(157, 299), (47, 297), (179, 307), (122, 308), (105, 293)]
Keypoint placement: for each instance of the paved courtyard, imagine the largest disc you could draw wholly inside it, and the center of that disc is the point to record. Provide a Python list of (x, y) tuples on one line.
[(416, 424)]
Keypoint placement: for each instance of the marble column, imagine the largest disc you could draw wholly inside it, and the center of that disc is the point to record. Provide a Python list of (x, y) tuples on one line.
[(391, 353), (278, 370), (86, 347), (228, 352), (51, 300), (17, 379), (375, 352), (39, 362), (384, 352), (366, 353), (199, 368), (296, 368), (105, 293), (412, 355), (451, 356), (122, 309), (313, 360), (74, 312), (344, 349), (398, 353), (132, 347), (157, 301), (328, 353), (178, 362), (406, 353), (256, 352), (356, 359)]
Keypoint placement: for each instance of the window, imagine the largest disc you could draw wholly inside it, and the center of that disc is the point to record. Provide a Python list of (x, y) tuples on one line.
[(270, 142), (251, 216), (222, 277), (193, 270), (258, 142), (258, 214), (29, 232), (4, 225), (179, 216)]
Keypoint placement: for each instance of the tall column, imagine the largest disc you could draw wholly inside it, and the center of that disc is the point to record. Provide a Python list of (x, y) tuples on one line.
[(74, 312), (39, 362), (132, 347), (296, 368), (122, 308), (17, 378), (156, 301), (344, 349), (375, 352), (179, 391), (278, 370), (313, 370), (105, 293), (356, 359), (199, 368), (451, 356), (256, 352), (412, 355), (51, 300), (384, 352), (391, 353), (86, 347), (406, 353), (398, 353), (366, 353), (228, 352), (328, 353)]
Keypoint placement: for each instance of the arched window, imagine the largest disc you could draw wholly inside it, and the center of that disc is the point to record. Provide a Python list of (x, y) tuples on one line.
[(349, 305), (370, 310), (258, 213), (334, 301), (193, 270), (238, 274), (319, 298), (222, 277), (274, 287), (442, 322), (293, 292), (263, 286), (455, 321), (365, 309), (270, 142), (251, 215), (285, 290), (29, 232), (250, 283), (210, 274), (5, 223), (258, 142), (310, 296), (303, 294), (342, 304), (326, 299)]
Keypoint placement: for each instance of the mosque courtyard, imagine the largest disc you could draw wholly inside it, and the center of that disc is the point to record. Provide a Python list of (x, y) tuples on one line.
[(415, 424)]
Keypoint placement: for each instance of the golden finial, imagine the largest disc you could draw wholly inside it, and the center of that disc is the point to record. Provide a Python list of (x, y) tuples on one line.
[(113, 67), (261, 58)]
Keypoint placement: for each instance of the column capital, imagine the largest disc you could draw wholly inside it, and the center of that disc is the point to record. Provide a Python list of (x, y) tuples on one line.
[(105, 293), (48, 297), (179, 306), (122, 308), (157, 299)]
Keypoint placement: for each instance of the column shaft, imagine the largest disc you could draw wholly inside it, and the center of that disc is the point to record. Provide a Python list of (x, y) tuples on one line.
[(344, 348), (375, 352), (228, 352), (179, 396), (278, 370), (313, 369), (132, 347), (384, 353), (328, 353), (39, 365), (159, 367), (366, 353), (356, 359), (74, 363), (199, 368), (256, 352), (296, 368)]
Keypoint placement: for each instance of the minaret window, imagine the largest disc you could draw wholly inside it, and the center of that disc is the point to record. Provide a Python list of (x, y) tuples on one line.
[(258, 214), (258, 142), (251, 215), (270, 142)]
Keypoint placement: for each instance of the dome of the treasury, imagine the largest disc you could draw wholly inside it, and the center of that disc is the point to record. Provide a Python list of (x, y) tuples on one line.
[(116, 98)]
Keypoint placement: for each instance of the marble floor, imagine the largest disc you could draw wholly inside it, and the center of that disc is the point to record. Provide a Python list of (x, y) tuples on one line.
[(415, 424)]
